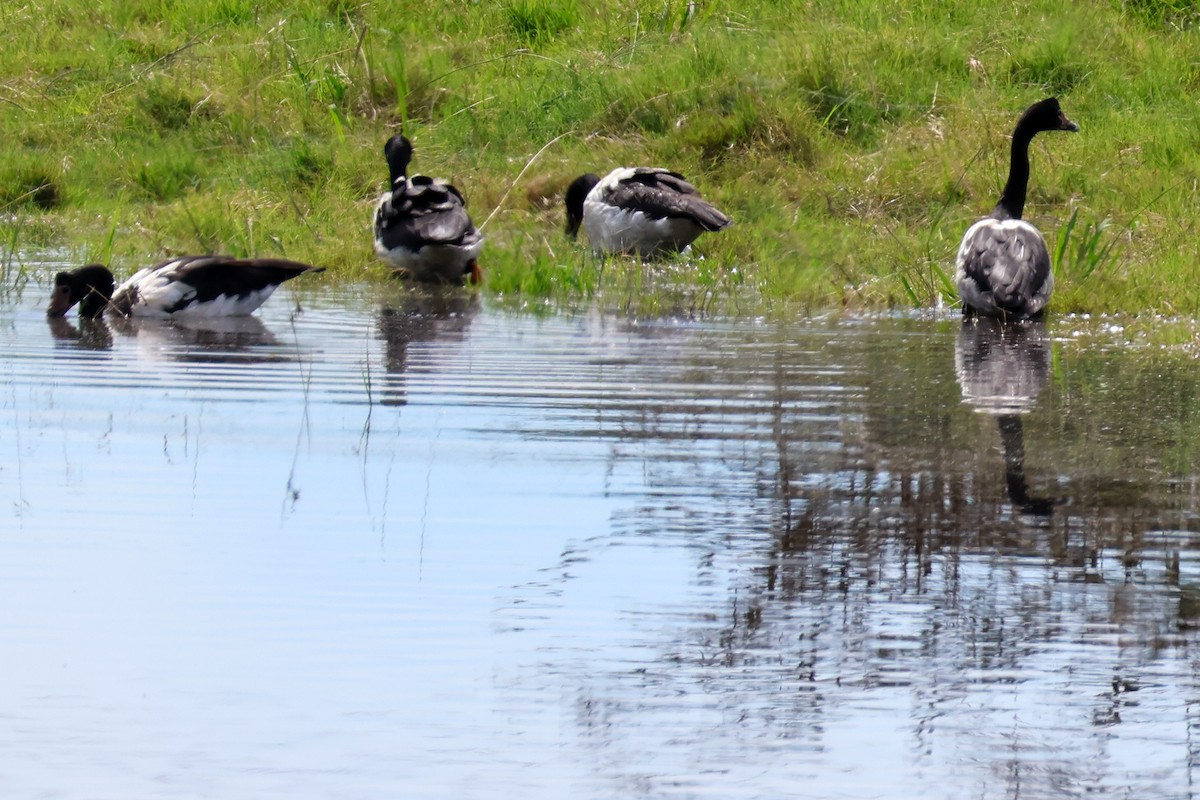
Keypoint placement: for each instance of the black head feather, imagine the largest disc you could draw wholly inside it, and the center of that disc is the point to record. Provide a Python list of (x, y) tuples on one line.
[(90, 286), (577, 192), (398, 151), (1045, 115)]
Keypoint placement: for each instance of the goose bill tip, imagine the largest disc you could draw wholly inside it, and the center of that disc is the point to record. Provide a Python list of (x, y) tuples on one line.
[(60, 303)]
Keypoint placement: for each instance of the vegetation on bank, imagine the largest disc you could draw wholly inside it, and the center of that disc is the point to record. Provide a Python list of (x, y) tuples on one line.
[(853, 141)]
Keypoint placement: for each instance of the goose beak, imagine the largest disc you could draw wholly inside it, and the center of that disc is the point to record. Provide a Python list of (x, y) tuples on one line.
[(60, 302), (1065, 124), (475, 275)]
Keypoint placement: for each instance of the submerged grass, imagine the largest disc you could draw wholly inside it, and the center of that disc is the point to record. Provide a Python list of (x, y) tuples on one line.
[(853, 142)]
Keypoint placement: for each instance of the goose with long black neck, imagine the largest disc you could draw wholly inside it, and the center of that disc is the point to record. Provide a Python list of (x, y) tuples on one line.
[(1003, 265), (422, 229)]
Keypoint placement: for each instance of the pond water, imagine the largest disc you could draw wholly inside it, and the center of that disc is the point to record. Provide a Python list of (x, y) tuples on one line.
[(373, 544)]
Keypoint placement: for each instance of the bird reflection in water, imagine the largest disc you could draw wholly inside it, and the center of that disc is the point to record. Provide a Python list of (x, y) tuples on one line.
[(242, 339), (90, 334), (197, 340), (1002, 368), (420, 314)]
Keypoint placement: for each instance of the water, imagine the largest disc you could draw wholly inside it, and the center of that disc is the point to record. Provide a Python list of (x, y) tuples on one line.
[(370, 544)]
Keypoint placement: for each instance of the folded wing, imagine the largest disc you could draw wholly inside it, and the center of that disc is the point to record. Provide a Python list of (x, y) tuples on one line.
[(1004, 268), (425, 212), (662, 194)]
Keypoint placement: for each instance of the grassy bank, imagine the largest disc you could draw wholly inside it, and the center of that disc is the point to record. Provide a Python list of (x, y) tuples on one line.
[(853, 141)]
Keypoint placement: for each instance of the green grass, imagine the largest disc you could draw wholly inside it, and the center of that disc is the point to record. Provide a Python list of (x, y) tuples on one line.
[(853, 142)]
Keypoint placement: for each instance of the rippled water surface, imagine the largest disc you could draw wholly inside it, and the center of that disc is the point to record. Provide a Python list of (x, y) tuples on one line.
[(386, 545)]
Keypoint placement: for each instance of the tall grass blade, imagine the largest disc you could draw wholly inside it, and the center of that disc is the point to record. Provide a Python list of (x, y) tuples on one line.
[(1064, 236)]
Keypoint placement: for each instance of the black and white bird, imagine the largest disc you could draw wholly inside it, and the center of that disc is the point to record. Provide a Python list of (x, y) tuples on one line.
[(1002, 370), (194, 286), (1003, 266), (646, 211), (422, 228)]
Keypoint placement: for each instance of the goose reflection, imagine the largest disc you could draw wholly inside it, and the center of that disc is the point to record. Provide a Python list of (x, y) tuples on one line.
[(207, 340), (90, 334), (420, 314), (1002, 368)]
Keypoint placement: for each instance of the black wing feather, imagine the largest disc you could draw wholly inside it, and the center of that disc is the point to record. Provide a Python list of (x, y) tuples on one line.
[(422, 212), (214, 276), (661, 194)]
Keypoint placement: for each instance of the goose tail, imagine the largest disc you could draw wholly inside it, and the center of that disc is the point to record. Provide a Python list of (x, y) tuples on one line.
[(706, 215)]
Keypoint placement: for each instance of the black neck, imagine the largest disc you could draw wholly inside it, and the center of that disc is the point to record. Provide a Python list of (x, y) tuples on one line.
[(1012, 200), (398, 173), (398, 152), (1013, 435)]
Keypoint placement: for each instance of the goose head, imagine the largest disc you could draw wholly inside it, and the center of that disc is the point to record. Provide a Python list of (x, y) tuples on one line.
[(577, 192), (1045, 115), (91, 287), (398, 151)]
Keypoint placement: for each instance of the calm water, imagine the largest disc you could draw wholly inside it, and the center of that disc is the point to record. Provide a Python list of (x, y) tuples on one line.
[(397, 546)]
